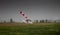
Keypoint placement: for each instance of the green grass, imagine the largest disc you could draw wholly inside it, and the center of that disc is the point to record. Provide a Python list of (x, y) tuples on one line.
[(31, 29)]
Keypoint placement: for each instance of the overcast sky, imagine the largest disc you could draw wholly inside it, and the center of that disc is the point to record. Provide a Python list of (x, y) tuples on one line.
[(35, 9)]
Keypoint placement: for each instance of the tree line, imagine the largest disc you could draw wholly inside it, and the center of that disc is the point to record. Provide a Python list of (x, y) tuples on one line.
[(37, 21)]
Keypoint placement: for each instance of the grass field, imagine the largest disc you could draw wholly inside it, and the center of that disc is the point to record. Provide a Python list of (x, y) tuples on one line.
[(30, 29)]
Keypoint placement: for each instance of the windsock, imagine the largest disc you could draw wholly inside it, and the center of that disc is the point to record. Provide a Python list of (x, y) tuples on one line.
[(26, 17)]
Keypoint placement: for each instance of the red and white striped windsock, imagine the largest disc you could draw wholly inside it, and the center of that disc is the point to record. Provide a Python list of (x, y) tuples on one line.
[(26, 17)]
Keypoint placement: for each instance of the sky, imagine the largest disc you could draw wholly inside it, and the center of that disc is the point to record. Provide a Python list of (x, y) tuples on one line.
[(35, 9)]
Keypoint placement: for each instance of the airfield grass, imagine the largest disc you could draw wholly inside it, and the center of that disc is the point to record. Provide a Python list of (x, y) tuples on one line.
[(30, 29)]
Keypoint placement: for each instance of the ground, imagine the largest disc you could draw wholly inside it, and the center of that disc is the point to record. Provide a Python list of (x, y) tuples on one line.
[(29, 29)]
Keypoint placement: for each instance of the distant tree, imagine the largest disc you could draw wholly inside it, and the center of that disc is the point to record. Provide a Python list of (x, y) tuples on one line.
[(11, 20), (36, 21), (41, 21), (46, 20)]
